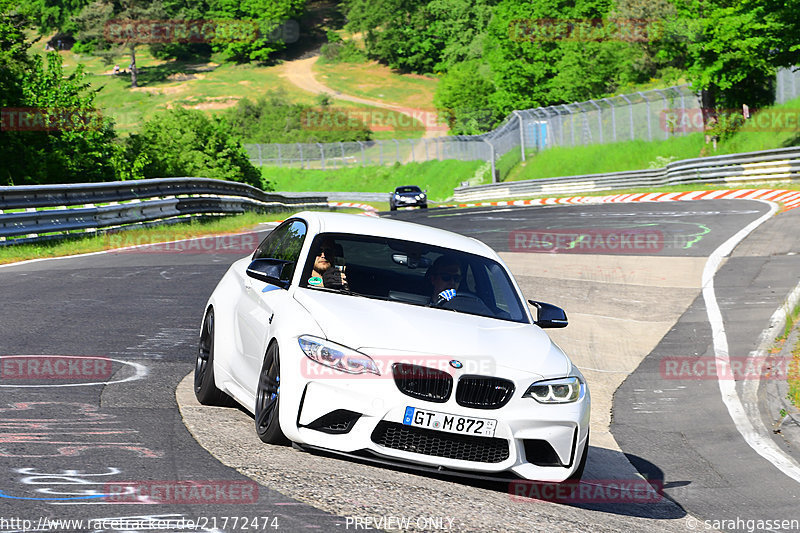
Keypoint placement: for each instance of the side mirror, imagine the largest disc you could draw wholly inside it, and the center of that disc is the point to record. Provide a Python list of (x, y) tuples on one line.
[(270, 271), (549, 316)]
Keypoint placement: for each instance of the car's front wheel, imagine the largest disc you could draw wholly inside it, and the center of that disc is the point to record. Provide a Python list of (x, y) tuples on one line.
[(205, 389), (268, 426)]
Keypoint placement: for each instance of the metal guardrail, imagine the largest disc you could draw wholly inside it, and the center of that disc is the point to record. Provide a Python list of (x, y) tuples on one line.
[(769, 165), (37, 212), (334, 196)]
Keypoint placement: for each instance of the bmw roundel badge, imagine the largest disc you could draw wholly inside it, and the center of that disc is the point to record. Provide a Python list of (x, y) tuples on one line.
[(456, 364)]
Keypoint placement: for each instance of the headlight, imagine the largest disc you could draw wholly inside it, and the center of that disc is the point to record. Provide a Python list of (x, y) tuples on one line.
[(563, 390), (336, 356)]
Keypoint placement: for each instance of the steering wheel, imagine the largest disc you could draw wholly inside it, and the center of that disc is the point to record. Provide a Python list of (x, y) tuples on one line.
[(462, 301)]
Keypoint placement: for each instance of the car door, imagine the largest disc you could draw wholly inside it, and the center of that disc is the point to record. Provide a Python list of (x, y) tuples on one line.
[(256, 309)]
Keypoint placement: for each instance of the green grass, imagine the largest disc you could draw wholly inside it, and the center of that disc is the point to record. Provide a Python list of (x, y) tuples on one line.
[(165, 233), (213, 86), (377, 82), (599, 158), (438, 177)]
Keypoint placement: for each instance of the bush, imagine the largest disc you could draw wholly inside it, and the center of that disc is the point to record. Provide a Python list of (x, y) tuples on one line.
[(183, 142), (274, 119), (341, 52)]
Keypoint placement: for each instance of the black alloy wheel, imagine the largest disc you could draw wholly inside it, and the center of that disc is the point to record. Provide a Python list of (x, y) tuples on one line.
[(268, 426)]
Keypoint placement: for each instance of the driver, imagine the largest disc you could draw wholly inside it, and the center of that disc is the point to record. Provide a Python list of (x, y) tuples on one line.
[(445, 277), (325, 270)]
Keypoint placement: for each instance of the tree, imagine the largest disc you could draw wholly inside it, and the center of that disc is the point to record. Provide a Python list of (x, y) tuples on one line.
[(51, 131), (462, 98), (398, 32), (112, 27), (736, 47), (54, 15), (268, 25), (185, 142)]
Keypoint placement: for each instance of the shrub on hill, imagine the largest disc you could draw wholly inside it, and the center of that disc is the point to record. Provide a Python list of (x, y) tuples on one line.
[(274, 119), (184, 142)]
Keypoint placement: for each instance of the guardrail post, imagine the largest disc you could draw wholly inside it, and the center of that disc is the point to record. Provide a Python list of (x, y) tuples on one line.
[(322, 155), (260, 160), (397, 145)]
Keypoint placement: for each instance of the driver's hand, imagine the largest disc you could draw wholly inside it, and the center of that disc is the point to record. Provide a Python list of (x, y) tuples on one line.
[(334, 278), (446, 295)]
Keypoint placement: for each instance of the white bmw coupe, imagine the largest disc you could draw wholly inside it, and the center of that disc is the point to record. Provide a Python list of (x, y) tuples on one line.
[(396, 342)]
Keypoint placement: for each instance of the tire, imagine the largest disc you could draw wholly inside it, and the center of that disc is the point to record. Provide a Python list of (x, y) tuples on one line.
[(578, 474), (424, 206), (268, 425), (392, 208), (205, 389)]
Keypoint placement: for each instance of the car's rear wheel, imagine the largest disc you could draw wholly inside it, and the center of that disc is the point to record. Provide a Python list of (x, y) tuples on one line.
[(268, 426), (205, 389)]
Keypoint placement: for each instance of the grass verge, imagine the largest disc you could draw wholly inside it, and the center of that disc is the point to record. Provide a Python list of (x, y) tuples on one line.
[(438, 177)]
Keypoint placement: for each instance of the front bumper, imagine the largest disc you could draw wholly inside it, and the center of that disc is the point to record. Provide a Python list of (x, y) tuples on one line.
[(531, 440)]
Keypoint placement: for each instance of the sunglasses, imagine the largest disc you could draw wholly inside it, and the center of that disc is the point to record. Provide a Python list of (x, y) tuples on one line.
[(329, 252), (449, 277)]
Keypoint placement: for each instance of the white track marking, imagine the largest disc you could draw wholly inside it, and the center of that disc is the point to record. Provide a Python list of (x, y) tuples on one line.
[(751, 428)]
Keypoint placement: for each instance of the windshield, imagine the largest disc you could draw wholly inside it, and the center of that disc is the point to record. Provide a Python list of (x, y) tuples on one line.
[(407, 189), (411, 273)]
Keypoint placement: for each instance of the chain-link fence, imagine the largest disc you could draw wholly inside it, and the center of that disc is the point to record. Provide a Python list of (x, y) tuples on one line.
[(647, 115), (364, 153)]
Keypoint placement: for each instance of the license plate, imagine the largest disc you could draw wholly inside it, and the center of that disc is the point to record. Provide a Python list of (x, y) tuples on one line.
[(463, 425)]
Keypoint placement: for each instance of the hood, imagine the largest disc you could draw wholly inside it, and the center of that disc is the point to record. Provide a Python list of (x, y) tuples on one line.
[(382, 328)]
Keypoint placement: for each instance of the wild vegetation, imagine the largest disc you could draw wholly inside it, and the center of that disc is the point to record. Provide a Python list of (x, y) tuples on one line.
[(482, 58)]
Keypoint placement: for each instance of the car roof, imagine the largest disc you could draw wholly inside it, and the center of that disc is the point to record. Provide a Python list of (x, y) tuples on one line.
[(407, 187), (323, 222)]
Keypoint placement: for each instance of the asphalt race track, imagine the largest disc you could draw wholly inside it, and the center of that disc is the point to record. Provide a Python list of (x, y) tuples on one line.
[(68, 444)]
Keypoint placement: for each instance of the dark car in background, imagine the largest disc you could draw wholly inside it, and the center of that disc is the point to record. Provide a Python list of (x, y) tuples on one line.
[(408, 196)]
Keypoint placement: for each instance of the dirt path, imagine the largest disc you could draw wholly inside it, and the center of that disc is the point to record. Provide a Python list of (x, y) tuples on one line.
[(299, 72)]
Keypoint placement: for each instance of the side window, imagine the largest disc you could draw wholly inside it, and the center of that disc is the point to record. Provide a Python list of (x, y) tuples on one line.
[(283, 243)]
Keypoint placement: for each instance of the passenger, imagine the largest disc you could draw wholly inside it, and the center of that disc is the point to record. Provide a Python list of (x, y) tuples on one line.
[(325, 272)]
